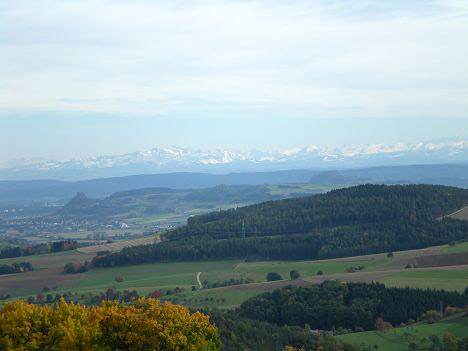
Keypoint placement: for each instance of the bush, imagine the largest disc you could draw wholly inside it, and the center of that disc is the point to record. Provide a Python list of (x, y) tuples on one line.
[(319, 273), (431, 316), (72, 268), (69, 268), (294, 275), (272, 276)]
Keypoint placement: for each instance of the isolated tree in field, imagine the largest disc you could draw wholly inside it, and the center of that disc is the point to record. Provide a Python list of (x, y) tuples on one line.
[(294, 275), (69, 268), (119, 279), (272, 276)]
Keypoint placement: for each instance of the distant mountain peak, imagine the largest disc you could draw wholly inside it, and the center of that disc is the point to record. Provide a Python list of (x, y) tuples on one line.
[(176, 158)]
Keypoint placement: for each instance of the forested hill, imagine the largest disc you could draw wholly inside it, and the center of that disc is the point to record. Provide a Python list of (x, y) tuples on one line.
[(354, 221), (365, 204)]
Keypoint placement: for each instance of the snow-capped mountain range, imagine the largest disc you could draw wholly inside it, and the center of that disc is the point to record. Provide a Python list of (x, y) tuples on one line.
[(175, 159)]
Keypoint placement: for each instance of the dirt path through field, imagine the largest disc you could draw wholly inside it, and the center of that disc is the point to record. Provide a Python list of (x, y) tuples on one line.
[(198, 280)]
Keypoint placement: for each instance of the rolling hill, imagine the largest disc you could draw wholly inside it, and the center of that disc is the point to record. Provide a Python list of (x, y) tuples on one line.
[(151, 201), (27, 191), (346, 222)]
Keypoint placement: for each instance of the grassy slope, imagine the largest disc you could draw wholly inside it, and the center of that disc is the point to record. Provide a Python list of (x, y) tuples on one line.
[(436, 279), (461, 247), (149, 277), (399, 338), (160, 206)]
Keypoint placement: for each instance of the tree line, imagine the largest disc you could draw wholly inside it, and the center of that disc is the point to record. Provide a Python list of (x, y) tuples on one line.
[(57, 246), (15, 268)]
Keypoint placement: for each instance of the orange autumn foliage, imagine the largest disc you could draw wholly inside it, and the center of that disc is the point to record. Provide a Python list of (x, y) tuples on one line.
[(146, 325)]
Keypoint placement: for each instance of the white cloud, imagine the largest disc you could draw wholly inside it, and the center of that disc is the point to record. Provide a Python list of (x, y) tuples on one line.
[(358, 58)]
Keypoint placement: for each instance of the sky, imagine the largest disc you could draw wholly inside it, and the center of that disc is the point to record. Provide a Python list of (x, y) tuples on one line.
[(81, 78)]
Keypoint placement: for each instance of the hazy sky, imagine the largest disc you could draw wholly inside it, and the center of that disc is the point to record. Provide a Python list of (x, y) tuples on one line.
[(81, 78)]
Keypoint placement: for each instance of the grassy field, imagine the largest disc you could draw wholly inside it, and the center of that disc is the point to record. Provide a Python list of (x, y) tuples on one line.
[(460, 247), (399, 339), (149, 277), (436, 279)]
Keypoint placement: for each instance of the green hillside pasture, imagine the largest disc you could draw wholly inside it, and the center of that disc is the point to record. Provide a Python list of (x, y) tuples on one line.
[(149, 277), (399, 339), (460, 247), (309, 268), (434, 279)]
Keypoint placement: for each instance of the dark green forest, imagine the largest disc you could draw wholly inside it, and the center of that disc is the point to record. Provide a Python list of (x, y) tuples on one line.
[(353, 221), (354, 306), (239, 333)]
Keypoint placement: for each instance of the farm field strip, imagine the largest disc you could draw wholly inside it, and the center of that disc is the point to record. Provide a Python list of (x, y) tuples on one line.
[(119, 245), (460, 214), (448, 279)]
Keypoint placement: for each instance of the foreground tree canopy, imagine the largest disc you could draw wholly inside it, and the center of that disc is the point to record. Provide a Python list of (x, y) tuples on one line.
[(145, 325)]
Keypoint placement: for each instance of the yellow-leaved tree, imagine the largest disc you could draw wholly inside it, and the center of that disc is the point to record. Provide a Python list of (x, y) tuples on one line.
[(147, 325)]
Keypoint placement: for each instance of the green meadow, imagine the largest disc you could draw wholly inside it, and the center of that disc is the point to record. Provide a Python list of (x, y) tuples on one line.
[(399, 339), (456, 280), (460, 247), (147, 278)]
